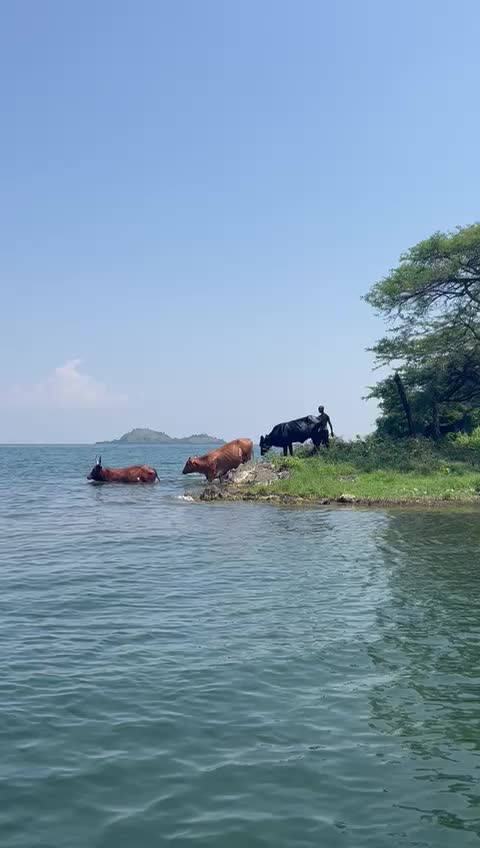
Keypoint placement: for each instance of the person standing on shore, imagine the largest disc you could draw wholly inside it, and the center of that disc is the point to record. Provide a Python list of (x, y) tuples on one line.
[(323, 424)]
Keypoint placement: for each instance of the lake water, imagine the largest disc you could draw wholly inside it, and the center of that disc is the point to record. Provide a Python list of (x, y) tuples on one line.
[(230, 675)]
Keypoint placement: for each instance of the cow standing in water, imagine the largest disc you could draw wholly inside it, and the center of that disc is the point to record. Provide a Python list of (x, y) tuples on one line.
[(132, 474), (218, 462)]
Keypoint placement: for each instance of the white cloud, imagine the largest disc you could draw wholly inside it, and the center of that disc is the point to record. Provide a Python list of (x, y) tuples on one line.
[(67, 387)]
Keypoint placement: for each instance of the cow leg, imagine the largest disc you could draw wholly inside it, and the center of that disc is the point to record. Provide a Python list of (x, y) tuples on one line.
[(290, 448), (285, 450)]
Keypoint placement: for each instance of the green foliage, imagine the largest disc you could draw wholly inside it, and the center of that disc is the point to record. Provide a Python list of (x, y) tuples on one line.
[(374, 452), (317, 479), (382, 470), (433, 300), (441, 273), (453, 415), (464, 447), (469, 440)]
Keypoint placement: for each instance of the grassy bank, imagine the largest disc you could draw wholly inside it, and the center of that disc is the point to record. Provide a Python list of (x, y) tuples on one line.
[(379, 471)]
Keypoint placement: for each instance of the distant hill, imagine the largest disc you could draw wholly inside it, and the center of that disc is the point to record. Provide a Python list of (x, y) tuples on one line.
[(144, 436)]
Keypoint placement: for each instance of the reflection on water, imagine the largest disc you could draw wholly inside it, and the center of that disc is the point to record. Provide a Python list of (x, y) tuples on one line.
[(429, 643)]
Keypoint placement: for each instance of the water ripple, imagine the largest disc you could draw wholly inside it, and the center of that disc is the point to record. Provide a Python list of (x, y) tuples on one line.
[(230, 674)]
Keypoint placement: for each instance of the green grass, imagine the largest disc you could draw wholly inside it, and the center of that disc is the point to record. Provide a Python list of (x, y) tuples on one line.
[(379, 472)]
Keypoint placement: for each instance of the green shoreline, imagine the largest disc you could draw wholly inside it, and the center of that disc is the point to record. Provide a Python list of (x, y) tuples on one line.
[(342, 483), (249, 496), (414, 474)]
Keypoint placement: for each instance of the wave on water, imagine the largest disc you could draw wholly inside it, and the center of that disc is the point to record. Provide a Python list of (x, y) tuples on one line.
[(236, 676)]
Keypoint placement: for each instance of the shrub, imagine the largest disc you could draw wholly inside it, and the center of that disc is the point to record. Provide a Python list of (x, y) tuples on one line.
[(373, 453), (467, 440), (464, 447)]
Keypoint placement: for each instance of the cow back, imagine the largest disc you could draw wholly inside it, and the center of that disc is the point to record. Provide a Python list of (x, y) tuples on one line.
[(228, 457), (298, 430), (132, 474)]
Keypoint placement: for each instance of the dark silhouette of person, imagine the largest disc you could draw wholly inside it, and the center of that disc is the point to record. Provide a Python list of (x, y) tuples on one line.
[(324, 422)]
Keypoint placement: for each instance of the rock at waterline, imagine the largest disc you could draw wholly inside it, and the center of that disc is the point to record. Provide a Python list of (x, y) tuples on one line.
[(346, 499), (250, 474)]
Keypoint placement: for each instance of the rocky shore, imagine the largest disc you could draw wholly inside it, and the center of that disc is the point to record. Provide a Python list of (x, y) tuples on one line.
[(255, 481), (241, 484)]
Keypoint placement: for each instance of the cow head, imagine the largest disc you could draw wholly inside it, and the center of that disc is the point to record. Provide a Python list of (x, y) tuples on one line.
[(190, 466), (264, 445), (96, 473)]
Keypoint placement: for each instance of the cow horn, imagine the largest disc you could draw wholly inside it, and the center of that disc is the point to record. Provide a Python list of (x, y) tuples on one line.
[(99, 460)]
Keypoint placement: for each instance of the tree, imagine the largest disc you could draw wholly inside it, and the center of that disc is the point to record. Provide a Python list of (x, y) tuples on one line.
[(437, 283), (405, 403), (432, 301), (434, 414)]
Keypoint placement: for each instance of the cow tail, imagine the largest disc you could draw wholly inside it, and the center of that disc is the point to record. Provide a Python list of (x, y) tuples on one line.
[(156, 475)]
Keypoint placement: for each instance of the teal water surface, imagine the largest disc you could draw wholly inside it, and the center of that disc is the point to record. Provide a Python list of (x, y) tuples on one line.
[(230, 675)]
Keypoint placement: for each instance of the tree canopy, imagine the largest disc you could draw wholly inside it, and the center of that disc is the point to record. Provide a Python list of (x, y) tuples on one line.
[(437, 280), (432, 302)]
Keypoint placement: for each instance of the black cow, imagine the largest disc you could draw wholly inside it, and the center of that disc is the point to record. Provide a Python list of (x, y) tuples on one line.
[(284, 435)]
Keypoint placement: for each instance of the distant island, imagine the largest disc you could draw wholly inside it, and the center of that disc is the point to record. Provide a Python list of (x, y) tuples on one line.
[(144, 436)]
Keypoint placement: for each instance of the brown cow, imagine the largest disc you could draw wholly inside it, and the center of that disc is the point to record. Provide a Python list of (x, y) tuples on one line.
[(217, 462), (132, 474), (246, 446)]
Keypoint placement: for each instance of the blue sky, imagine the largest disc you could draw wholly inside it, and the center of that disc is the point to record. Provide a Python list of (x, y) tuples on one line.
[(196, 195)]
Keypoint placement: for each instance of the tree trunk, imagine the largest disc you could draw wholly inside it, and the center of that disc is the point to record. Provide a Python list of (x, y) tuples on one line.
[(435, 419), (405, 404)]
